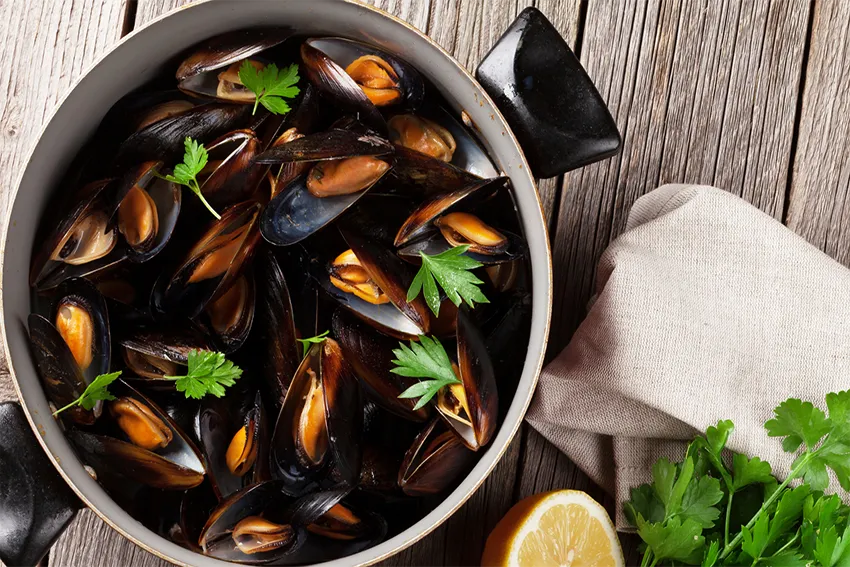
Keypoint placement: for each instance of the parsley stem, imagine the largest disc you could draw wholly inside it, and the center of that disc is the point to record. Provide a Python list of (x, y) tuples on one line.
[(728, 514), (791, 542), (804, 461), (197, 190), (256, 104), (69, 406), (647, 555)]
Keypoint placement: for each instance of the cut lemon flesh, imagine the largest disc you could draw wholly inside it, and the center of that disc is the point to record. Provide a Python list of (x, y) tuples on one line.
[(563, 528)]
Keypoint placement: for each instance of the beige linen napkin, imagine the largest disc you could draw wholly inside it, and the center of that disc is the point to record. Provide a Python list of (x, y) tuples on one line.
[(705, 309)]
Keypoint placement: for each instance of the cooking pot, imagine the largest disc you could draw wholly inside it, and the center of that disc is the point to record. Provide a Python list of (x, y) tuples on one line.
[(533, 108)]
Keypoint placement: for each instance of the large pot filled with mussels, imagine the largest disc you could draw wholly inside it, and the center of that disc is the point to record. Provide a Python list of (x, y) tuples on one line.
[(288, 302)]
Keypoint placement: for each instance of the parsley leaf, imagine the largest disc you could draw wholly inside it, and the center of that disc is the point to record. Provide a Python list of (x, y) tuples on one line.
[(452, 270), (674, 540), (749, 471), (799, 422), (318, 339), (208, 373), (186, 173), (699, 501), (270, 85), (94, 392), (424, 359)]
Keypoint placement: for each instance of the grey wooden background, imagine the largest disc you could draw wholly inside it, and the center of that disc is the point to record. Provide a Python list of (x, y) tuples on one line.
[(748, 95)]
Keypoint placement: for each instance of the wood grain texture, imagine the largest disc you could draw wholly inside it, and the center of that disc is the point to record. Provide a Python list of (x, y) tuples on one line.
[(819, 207), (703, 92)]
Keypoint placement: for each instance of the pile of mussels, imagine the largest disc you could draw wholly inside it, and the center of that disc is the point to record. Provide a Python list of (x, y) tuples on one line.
[(324, 210)]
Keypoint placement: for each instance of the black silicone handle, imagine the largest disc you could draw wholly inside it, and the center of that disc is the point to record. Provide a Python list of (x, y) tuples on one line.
[(35, 503), (551, 104)]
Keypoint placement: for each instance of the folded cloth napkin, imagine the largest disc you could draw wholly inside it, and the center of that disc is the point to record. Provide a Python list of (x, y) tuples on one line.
[(705, 309)]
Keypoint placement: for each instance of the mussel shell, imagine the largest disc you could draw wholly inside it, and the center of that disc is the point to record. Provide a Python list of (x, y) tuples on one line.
[(275, 327), (126, 289), (83, 294), (237, 176), (479, 383), (294, 213), (332, 81), (234, 336), (331, 144), (370, 355), (434, 243), (218, 421), (343, 418), (164, 140), (166, 343), (419, 222), (137, 464), (62, 379), (344, 51), (182, 297), (423, 176), (267, 499), (392, 275), (423, 474), (196, 505)]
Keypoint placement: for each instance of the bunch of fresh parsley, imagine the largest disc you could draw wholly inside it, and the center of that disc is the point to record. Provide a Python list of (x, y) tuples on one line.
[(710, 510)]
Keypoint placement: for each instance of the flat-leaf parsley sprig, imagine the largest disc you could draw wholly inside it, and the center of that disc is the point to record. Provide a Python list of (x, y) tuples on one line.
[(270, 85), (94, 392), (208, 373), (318, 339), (186, 173), (452, 269), (424, 359)]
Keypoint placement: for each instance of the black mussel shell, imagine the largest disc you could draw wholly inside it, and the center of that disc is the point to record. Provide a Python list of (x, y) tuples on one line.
[(234, 437), (62, 379), (148, 351), (164, 140), (126, 289), (479, 385), (331, 144), (276, 335), (370, 355), (229, 317), (434, 243), (81, 309), (214, 262), (266, 500), (235, 176), (435, 460), (423, 176), (323, 372), (196, 505), (140, 465)]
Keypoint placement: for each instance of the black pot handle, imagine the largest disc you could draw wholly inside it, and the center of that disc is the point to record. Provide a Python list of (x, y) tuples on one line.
[(35, 503), (553, 108)]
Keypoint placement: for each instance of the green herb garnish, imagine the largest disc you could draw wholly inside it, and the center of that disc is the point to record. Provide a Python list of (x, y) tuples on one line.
[(452, 270), (424, 359), (186, 173), (270, 85), (208, 373), (318, 339), (93, 393), (686, 515)]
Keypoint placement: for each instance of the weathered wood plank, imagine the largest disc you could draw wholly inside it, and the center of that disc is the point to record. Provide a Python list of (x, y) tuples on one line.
[(703, 92), (820, 184)]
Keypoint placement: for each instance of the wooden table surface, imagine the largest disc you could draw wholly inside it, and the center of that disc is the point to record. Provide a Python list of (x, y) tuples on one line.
[(748, 95)]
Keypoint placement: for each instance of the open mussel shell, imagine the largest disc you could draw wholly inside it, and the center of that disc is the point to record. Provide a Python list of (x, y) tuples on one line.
[(231, 174), (126, 289), (151, 354), (331, 144), (250, 526), (399, 317), (435, 460), (198, 74), (180, 469), (164, 139), (370, 355), (147, 211), (228, 318), (83, 242), (385, 79), (317, 435), (234, 437), (62, 378), (80, 315), (213, 263), (434, 243), (275, 328), (420, 221), (471, 408)]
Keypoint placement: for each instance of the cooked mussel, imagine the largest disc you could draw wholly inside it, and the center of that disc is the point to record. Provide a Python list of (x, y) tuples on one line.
[(436, 458), (141, 425), (250, 527), (229, 317), (152, 354), (214, 262), (231, 175), (80, 315), (423, 135), (370, 355), (471, 407), (318, 430), (234, 437)]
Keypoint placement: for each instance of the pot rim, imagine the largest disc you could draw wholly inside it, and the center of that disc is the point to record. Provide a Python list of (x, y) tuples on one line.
[(526, 171)]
